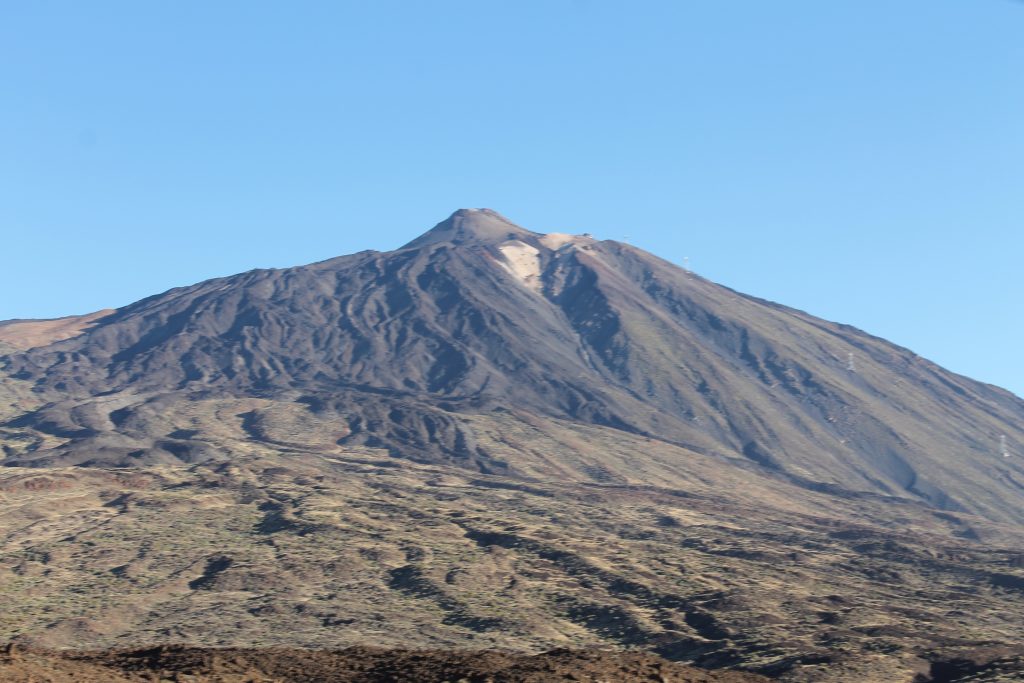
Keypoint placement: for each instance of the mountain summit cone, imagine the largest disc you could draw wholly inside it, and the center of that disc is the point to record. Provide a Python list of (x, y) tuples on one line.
[(472, 226)]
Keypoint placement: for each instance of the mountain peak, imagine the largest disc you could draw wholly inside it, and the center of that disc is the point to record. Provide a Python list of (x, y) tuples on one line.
[(467, 226), (481, 317)]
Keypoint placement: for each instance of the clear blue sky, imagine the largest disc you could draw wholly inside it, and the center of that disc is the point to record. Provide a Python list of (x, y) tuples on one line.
[(859, 159)]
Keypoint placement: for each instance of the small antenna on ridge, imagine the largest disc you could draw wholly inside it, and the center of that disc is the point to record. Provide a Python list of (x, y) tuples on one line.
[(1003, 448), (850, 364)]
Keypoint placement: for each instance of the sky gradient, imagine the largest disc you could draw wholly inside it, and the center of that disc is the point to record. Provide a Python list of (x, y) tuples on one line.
[(861, 160)]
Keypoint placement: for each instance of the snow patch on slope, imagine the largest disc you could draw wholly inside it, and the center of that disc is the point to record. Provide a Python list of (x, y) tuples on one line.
[(523, 261), (556, 240)]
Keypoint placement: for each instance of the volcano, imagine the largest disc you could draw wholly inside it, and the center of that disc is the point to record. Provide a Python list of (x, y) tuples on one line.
[(492, 438), (412, 350)]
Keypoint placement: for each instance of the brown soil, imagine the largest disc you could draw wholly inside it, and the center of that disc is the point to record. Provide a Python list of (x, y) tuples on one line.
[(28, 334), (362, 665)]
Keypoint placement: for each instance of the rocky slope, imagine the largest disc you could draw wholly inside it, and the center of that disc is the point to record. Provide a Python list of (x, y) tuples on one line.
[(492, 438), (355, 665), (294, 549)]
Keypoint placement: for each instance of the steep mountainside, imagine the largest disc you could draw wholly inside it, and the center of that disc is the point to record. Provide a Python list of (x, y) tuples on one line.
[(480, 317)]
